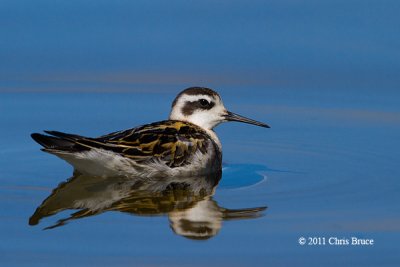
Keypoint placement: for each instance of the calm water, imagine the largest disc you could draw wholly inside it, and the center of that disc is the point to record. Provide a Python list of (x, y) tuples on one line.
[(323, 74), (324, 169)]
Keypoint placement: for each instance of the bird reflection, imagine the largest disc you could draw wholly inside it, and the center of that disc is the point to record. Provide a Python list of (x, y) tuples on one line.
[(187, 201)]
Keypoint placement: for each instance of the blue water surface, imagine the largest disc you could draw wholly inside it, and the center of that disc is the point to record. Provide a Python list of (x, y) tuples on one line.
[(320, 172), (323, 74)]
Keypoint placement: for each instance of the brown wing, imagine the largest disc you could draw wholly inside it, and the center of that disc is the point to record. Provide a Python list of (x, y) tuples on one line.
[(173, 142)]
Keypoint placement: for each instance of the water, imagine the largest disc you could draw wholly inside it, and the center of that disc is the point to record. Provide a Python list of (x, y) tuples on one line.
[(323, 74), (319, 171)]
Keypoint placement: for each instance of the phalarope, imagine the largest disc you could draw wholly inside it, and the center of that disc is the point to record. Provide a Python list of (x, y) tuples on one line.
[(183, 145)]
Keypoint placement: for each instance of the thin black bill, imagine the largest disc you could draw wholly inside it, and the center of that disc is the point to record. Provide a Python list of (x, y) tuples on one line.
[(230, 116)]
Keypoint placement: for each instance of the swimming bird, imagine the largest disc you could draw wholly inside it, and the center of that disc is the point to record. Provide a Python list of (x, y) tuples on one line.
[(183, 145)]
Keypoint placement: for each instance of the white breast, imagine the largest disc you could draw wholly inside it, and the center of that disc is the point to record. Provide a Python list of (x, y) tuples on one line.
[(100, 162)]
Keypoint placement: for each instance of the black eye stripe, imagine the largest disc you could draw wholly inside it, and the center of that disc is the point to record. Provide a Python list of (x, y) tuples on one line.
[(190, 106)]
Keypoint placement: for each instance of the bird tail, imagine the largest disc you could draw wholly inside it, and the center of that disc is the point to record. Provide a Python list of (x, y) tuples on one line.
[(57, 142)]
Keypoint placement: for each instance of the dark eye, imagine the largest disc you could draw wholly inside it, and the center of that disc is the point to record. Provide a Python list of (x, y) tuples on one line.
[(204, 102)]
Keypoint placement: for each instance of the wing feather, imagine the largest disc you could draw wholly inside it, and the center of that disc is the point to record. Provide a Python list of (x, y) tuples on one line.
[(172, 142)]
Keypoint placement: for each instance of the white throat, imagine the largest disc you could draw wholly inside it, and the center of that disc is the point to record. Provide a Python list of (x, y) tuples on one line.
[(206, 119)]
